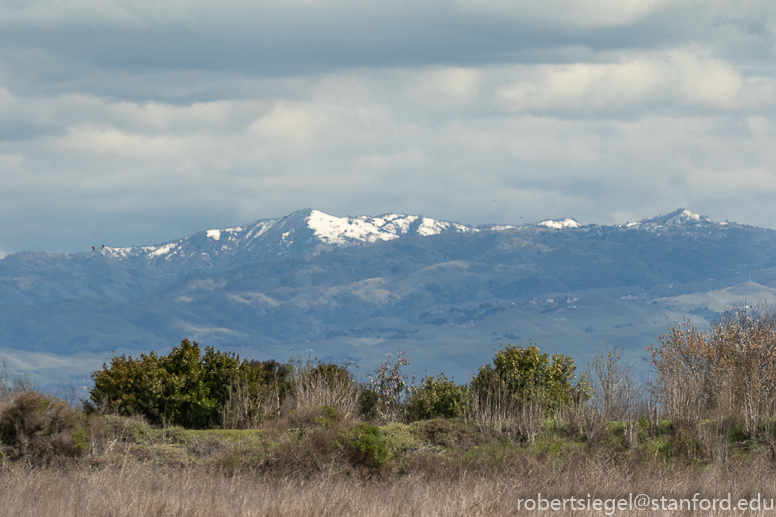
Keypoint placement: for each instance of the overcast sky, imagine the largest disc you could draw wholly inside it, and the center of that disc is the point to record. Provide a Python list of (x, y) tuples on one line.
[(126, 122)]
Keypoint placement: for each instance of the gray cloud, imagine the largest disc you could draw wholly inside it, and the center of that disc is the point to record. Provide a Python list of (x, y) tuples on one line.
[(135, 122)]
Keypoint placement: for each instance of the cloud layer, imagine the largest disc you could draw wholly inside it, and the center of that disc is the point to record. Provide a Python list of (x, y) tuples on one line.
[(134, 122)]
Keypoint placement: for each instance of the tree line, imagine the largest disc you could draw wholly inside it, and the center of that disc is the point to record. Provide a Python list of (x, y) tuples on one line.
[(197, 389)]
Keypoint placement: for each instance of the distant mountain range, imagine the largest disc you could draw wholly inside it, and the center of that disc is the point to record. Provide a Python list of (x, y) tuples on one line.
[(119, 274), (357, 288)]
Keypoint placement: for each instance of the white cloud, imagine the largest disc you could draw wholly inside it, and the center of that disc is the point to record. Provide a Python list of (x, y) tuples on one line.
[(475, 111), (678, 79)]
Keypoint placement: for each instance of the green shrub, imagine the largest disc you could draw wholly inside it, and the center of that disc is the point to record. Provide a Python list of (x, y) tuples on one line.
[(365, 445), (530, 377), (438, 397), (185, 388), (369, 404), (401, 438), (330, 417), (126, 429)]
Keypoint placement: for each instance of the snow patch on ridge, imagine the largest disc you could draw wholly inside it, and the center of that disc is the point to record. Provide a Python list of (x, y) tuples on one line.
[(399, 223), (338, 230), (689, 217), (261, 228), (163, 250), (560, 224), (119, 253), (341, 230), (214, 234), (431, 227)]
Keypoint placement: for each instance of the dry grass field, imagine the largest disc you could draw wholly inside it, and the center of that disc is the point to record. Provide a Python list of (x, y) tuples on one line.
[(149, 490)]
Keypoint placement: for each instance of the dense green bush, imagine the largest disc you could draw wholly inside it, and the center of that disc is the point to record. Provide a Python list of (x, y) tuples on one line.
[(192, 389), (185, 388), (438, 397), (366, 445), (530, 376)]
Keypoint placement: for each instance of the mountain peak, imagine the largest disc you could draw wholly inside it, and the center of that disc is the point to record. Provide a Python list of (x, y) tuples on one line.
[(687, 215), (683, 216), (679, 218)]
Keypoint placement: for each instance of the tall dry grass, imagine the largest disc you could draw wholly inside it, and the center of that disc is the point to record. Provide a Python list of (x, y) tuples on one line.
[(499, 411), (147, 491), (249, 409), (614, 396), (315, 386)]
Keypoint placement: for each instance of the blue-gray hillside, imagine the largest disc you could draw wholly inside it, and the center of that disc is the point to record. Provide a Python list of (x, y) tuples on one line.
[(356, 288)]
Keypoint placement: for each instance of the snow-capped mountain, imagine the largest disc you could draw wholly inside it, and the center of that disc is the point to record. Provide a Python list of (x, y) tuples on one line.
[(682, 219), (678, 218), (124, 273), (304, 231), (678, 222), (312, 231)]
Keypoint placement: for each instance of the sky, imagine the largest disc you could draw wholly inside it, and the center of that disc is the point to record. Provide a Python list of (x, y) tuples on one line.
[(135, 122)]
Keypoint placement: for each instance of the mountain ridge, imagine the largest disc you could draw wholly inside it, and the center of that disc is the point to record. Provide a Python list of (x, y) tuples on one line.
[(303, 227), (120, 274), (353, 293)]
